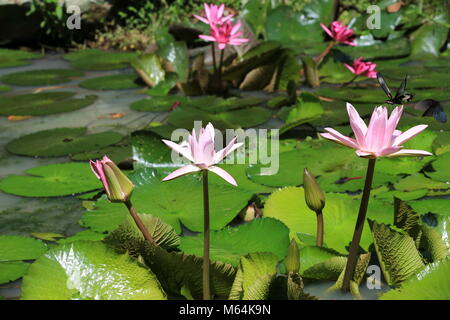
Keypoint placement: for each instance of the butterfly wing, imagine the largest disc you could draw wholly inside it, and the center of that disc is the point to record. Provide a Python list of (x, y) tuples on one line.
[(384, 85)]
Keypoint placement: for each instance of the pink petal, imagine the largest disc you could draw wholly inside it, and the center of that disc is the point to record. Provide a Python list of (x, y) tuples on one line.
[(220, 11), (376, 130), (223, 174), (201, 19), (387, 151), (326, 30), (349, 142), (97, 168), (364, 154), (207, 11), (227, 150), (181, 172), (207, 38), (358, 125), (408, 134), (222, 46), (352, 70), (392, 123), (236, 28), (409, 153), (178, 148)]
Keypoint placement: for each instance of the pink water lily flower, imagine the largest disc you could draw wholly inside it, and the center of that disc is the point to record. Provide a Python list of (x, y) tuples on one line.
[(339, 33), (202, 154), (380, 139), (214, 15), (225, 34), (361, 68)]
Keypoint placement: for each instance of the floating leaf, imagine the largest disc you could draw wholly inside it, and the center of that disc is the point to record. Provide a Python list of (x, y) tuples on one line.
[(397, 253), (158, 104), (89, 270), (20, 248), (175, 202), (241, 118), (229, 244), (288, 205), (44, 103), (424, 206), (84, 235), (52, 181), (113, 82), (94, 59), (15, 58), (308, 108), (440, 165), (61, 141), (419, 181), (47, 236), (42, 77), (11, 271)]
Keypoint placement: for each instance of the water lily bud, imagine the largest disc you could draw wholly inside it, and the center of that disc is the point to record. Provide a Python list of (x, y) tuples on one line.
[(292, 261), (314, 196), (117, 185)]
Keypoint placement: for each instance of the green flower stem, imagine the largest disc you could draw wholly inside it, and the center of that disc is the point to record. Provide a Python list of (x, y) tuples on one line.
[(206, 261), (354, 247), (213, 50), (139, 223), (319, 233), (324, 53)]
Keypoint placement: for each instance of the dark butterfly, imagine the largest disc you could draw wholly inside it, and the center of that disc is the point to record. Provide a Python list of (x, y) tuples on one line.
[(401, 96), (432, 108)]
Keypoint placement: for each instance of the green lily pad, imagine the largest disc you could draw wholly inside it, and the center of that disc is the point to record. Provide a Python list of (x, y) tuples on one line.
[(229, 244), (52, 181), (11, 271), (116, 153), (176, 201), (89, 270), (113, 82), (94, 59), (15, 58), (61, 141), (432, 283), (42, 77), (307, 108), (47, 236), (43, 103), (20, 248), (419, 181), (424, 206), (241, 118), (4, 88), (87, 235), (389, 49), (340, 212), (158, 104), (441, 144), (440, 165), (301, 157)]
